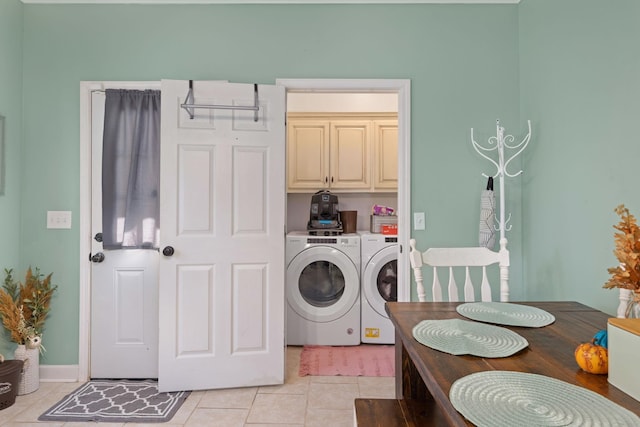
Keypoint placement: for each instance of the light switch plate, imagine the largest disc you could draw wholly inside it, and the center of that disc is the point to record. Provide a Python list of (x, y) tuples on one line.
[(58, 219), (418, 221)]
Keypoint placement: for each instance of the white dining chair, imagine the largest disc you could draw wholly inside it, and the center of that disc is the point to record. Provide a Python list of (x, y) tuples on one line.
[(460, 258)]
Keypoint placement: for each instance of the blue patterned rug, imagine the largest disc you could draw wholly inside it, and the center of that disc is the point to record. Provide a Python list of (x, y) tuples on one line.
[(117, 401)]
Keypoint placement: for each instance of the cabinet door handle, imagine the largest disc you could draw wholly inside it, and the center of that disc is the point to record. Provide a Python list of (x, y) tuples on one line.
[(332, 180), (326, 179)]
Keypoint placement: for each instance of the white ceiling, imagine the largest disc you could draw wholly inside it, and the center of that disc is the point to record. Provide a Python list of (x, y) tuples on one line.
[(269, 1)]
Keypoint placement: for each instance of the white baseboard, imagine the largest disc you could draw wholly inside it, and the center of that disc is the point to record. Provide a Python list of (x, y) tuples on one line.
[(59, 373)]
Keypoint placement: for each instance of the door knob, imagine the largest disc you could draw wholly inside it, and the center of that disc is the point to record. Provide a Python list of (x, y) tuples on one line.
[(168, 251), (99, 257)]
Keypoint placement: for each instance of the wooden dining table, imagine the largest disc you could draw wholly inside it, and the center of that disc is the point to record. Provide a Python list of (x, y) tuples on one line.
[(424, 376)]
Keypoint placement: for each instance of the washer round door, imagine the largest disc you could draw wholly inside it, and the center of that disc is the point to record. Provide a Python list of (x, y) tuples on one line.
[(379, 279), (322, 284)]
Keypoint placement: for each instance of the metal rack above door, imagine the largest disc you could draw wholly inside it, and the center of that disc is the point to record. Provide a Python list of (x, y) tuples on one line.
[(189, 105)]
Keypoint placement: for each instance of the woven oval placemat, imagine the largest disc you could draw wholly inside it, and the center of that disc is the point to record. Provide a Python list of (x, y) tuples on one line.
[(504, 313), (457, 336), (508, 399)]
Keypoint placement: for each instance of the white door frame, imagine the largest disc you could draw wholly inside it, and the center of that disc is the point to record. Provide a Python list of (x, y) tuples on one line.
[(400, 86), (403, 88)]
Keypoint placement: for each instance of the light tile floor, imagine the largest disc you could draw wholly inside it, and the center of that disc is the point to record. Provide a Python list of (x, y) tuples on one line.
[(301, 401)]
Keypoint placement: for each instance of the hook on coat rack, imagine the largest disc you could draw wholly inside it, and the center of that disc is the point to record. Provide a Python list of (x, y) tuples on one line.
[(189, 105), (499, 143)]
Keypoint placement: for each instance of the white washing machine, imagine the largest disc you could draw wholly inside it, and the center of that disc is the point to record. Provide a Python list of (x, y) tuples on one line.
[(379, 275), (323, 289)]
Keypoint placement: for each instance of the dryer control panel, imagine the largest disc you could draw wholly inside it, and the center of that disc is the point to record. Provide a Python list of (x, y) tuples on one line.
[(341, 241), (320, 240)]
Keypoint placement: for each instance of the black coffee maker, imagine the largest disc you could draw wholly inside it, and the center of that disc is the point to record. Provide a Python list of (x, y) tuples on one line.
[(324, 218)]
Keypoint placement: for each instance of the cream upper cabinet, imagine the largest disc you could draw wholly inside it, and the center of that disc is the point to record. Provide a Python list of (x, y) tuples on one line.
[(350, 155), (385, 167), (344, 152), (307, 154)]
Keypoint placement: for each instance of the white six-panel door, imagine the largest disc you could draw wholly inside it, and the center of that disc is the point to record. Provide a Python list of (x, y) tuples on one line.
[(221, 294), (124, 288)]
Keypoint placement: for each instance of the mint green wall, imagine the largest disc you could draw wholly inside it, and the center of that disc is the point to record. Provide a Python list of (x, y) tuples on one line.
[(580, 86), (571, 67), (11, 108), (462, 62)]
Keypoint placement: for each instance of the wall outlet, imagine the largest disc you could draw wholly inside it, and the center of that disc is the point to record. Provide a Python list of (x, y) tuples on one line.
[(58, 219), (418, 221)]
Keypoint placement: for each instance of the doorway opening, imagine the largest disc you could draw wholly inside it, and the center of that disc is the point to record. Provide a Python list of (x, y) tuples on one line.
[(402, 89)]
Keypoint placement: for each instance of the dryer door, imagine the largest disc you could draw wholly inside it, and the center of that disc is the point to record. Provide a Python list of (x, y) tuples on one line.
[(379, 279), (322, 284)]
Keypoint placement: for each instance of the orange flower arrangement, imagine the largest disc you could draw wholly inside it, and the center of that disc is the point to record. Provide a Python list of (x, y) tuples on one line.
[(24, 306), (626, 275)]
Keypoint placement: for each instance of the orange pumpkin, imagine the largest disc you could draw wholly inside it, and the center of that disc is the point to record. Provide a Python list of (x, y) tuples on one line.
[(592, 358)]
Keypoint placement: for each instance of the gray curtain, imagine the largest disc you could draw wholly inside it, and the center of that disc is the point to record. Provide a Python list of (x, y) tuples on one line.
[(131, 169)]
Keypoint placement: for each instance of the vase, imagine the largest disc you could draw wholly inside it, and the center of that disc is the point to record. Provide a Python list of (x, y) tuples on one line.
[(30, 379), (633, 307)]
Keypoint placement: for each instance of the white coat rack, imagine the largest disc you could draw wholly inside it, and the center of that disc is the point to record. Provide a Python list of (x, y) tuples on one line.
[(499, 143)]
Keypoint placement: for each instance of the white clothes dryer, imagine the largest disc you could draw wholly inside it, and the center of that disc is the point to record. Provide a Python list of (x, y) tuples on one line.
[(323, 289), (379, 275)]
